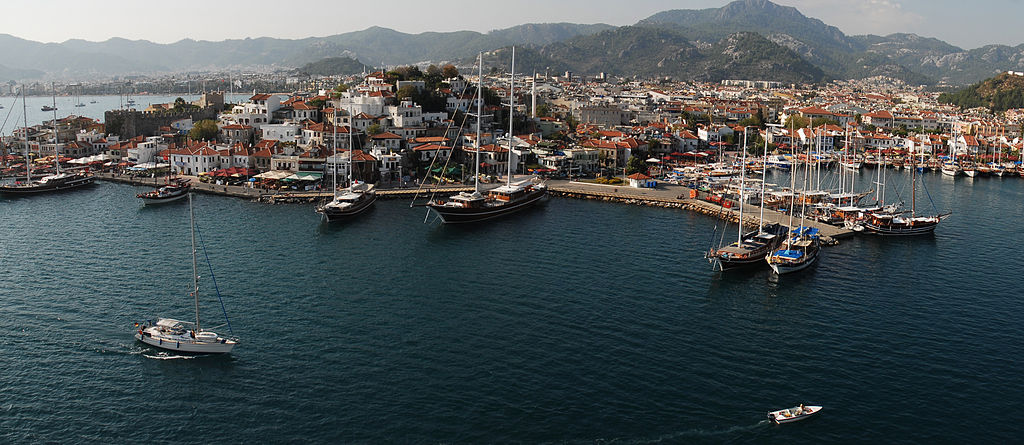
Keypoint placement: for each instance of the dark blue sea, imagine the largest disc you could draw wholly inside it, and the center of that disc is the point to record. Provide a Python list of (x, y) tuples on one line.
[(575, 322)]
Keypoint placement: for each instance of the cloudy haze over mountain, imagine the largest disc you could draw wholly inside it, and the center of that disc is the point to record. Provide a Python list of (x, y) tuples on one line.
[(965, 24)]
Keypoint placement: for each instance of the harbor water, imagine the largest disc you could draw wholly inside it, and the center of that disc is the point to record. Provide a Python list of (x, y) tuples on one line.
[(12, 113), (574, 322)]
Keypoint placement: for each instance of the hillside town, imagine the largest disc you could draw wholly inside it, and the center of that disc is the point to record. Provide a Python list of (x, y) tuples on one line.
[(564, 126)]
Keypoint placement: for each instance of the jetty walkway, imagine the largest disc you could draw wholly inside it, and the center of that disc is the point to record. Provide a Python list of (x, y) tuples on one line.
[(664, 195), (676, 196)]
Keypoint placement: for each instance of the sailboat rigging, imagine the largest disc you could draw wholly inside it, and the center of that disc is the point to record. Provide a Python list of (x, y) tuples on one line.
[(355, 198), (51, 183), (509, 198), (184, 336)]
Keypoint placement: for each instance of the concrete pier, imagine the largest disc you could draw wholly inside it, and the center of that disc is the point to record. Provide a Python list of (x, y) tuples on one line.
[(665, 195)]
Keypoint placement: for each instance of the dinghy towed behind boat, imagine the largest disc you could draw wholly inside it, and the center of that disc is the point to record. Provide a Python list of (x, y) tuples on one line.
[(793, 414)]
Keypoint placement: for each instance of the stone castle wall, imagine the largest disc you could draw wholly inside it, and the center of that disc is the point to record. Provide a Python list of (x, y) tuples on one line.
[(130, 123)]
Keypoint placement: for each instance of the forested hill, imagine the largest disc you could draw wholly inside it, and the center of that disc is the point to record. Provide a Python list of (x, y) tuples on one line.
[(999, 93)]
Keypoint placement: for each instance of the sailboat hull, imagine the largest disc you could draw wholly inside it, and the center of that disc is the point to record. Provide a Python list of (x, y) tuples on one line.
[(186, 343), (458, 215), (333, 214), (754, 260), (37, 188), (901, 230), (782, 269)]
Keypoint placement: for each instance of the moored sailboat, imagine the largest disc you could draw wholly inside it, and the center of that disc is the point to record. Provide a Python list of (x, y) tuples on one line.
[(801, 248), (890, 221), (355, 198), (511, 197), (51, 183), (750, 248), (174, 190)]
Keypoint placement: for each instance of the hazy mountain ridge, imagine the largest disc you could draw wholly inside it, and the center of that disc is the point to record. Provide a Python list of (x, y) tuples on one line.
[(657, 52), (374, 45), (915, 59)]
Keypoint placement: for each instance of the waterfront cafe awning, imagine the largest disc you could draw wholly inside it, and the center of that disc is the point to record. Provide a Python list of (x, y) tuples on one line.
[(654, 160), (233, 172), (149, 166), (304, 176), (276, 175), (91, 159)]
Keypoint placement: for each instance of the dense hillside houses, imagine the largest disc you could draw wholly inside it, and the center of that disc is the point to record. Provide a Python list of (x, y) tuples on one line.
[(401, 129)]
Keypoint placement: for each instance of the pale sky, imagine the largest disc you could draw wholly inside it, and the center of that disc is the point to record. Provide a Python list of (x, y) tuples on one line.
[(965, 23)]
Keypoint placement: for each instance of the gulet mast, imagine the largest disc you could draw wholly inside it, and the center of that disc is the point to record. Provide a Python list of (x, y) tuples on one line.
[(511, 111), (479, 116)]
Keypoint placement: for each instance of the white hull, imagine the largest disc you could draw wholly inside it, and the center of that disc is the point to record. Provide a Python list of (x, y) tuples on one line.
[(794, 414), (782, 269), (187, 344)]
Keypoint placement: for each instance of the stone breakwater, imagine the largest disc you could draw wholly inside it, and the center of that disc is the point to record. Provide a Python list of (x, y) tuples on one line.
[(830, 234)]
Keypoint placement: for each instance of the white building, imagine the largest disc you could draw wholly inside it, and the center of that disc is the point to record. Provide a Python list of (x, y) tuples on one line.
[(258, 111), (290, 132), (406, 114), (372, 105), (143, 151)]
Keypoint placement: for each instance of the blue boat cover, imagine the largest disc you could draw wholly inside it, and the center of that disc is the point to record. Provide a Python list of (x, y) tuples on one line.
[(806, 231), (791, 254)]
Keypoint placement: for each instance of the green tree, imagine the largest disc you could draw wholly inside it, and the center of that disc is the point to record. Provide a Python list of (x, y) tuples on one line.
[(179, 103), (796, 121), (543, 110), (406, 92), (817, 122), (448, 71), (433, 70), (204, 130), (374, 129), (341, 88), (635, 165)]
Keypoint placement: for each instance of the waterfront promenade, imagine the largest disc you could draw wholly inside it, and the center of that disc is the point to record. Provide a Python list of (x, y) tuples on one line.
[(664, 195)]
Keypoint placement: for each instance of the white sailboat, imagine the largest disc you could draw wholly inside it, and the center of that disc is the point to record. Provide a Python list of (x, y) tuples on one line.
[(185, 336)]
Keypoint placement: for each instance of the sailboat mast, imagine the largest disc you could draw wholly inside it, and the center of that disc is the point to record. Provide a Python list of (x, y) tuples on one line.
[(28, 157), (852, 159), (334, 142), (195, 270), (351, 147), (743, 176), (56, 138), (807, 184), (913, 182), (792, 183), (479, 116), (512, 111), (764, 177)]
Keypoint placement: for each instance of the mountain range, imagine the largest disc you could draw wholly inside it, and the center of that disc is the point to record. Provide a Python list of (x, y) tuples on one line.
[(749, 39)]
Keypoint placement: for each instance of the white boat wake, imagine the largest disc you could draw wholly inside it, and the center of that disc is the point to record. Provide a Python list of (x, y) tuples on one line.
[(162, 356), (682, 435)]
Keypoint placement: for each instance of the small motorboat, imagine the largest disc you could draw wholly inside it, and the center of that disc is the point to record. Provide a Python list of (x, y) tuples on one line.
[(793, 414)]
